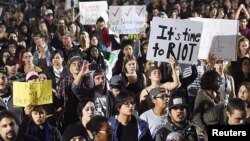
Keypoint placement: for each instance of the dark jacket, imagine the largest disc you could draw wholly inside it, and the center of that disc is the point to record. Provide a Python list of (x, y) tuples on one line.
[(143, 130), (51, 75), (83, 93), (187, 129), (48, 133), (73, 130), (18, 111), (25, 137)]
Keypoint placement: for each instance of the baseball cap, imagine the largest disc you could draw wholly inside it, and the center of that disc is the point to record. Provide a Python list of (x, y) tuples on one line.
[(48, 11), (117, 80), (68, 34), (155, 91), (30, 74), (177, 101), (11, 61), (75, 58)]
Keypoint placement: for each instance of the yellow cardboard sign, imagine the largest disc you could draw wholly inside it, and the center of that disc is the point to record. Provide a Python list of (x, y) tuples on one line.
[(32, 93)]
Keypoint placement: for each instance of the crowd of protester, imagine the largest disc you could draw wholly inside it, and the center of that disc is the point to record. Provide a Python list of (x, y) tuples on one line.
[(134, 99)]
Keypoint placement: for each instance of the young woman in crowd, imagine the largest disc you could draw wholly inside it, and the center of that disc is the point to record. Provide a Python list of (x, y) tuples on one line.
[(126, 49), (156, 116), (241, 72), (154, 76), (244, 92), (28, 65), (86, 111), (136, 80), (97, 61)]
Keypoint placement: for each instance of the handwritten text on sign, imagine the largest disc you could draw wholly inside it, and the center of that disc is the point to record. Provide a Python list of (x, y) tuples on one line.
[(32, 93), (176, 38), (219, 37), (91, 11), (127, 19)]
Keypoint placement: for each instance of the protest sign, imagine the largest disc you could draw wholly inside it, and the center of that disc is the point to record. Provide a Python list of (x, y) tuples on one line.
[(219, 37), (32, 93), (91, 11), (127, 19), (172, 37), (70, 3)]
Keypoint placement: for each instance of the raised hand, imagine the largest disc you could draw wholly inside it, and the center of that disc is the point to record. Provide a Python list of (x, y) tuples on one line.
[(85, 68), (172, 61)]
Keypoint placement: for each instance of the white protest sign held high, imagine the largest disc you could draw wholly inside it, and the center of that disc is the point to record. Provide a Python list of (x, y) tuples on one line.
[(71, 3), (177, 38), (91, 11), (127, 19), (219, 37)]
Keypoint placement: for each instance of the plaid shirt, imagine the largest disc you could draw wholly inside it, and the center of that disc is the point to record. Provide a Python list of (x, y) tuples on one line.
[(64, 88), (20, 77)]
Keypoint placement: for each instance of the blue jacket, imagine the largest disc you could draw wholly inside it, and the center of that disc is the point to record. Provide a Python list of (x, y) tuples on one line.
[(142, 125)]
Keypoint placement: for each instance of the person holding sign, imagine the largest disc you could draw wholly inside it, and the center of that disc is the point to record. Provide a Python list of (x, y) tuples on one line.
[(155, 76)]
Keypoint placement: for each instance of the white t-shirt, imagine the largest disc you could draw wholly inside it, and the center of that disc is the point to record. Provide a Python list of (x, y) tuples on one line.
[(154, 121)]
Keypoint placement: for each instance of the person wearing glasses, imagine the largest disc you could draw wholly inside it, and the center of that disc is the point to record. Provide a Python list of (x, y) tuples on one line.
[(156, 117), (86, 111), (177, 121), (154, 77), (28, 64), (126, 127), (100, 128)]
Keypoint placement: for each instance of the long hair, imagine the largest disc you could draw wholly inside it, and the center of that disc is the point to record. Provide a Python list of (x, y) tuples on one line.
[(126, 59)]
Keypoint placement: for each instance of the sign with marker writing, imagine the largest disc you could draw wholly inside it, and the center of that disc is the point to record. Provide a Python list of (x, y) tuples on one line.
[(127, 19), (32, 93), (177, 38), (219, 37), (91, 11)]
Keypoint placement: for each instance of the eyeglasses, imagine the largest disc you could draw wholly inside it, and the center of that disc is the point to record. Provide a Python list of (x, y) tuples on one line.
[(162, 96), (127, 103)]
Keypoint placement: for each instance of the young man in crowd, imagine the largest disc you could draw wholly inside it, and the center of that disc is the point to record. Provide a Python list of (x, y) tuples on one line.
[(178, 121), (236, 112), (126, 127), (9, 128)]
